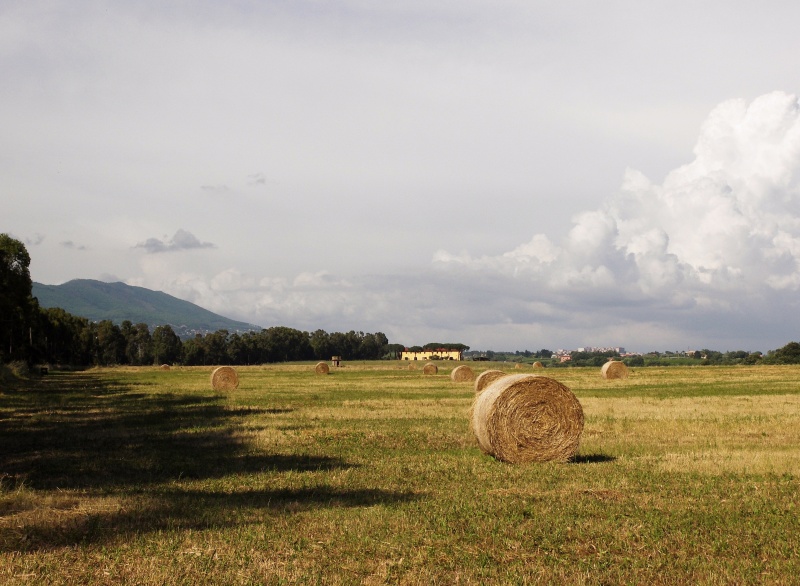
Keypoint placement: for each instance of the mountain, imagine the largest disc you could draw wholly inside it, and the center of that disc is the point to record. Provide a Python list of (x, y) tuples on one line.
[(117, 302)]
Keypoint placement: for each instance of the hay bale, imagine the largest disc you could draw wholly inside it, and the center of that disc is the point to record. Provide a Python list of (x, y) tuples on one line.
[(224, 378), (486, 378), (527, 418), (538, 364), (322, 368), (462, 374), (430, 368), (614, 369), (164, 367), (517, 365)]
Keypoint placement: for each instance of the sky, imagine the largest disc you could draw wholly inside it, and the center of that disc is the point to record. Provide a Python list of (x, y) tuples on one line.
[(509, 175)]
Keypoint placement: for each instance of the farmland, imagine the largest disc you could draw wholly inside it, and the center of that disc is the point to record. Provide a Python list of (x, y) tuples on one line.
[(370, 475)]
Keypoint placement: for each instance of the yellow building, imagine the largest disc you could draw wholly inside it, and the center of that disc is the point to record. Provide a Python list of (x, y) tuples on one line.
[(438, 354)]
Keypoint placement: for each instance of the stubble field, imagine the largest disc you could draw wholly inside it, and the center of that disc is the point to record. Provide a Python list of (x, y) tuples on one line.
[(370, 475)]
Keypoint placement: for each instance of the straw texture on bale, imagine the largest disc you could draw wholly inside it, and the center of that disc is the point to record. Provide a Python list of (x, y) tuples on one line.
[(614, 369), (527, 418), (430, 368), (322, 368), (224, 378), (486, 378), (462, 374), (538, 364)]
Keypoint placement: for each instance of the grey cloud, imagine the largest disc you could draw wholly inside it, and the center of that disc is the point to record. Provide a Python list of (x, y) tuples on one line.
[(256, 179), (182, 240), (72, 245)]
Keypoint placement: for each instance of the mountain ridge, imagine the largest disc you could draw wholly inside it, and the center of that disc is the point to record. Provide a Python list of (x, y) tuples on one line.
[(117, 302)]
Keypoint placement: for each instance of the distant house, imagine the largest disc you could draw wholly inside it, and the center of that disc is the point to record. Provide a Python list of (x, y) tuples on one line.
[(438, 354)]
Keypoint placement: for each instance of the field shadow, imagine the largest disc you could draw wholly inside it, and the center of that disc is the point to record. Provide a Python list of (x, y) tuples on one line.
[(75, 432), (161, 511), (592, 459), (75, 439)]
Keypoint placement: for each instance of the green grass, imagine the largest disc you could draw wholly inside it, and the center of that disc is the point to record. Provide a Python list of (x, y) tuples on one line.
[(370, 476)]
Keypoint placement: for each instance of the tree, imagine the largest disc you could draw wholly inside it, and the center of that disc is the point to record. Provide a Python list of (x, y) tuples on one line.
[(789, 354), (138, 343), (110, 347), (61, 339), (320, 342), (393, 351), (167, 346), (16, 304), (284, 344), (193, 351)]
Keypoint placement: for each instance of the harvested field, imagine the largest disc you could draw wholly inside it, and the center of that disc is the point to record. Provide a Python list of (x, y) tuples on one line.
[(143, 476)]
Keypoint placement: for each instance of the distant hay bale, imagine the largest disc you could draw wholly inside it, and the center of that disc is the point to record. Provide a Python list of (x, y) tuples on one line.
[(430, 368), (517, 365), (527, 418), (486, 378), (164, 367), (538, 364), (224, 378), (614, 369), (412, 366), (322, 368), (462, 374)]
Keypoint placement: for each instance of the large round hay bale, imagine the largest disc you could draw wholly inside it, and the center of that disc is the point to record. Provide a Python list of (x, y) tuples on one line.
[(614, 369), (430, 368), (164, 367), (322, 368), (224, 378), (486, 378), (527, 418), (538, 364), (462, 374)]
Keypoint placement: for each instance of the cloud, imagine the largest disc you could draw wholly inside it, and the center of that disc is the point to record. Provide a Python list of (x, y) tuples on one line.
[(182, 240), (35, 241), (256, 179), (720, 236), (727, 219), (72, 246), (709, 257), (216, 189)]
